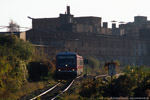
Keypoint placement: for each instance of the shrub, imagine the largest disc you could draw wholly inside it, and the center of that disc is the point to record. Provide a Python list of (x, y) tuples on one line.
[(93, 66), (134, 83), (14, 55), (41, 70)]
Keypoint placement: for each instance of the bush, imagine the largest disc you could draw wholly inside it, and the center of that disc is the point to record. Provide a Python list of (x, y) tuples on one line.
[(93, 66), (134, 83), (12, 48), (41, 70), (14, 55)]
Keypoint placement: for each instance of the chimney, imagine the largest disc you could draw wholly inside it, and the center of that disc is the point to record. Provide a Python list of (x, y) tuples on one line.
[(68, 10), (113, 25), (105, 24)]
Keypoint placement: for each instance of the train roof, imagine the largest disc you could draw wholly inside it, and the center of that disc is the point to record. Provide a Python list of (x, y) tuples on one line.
[(69, 53), (66, 53)]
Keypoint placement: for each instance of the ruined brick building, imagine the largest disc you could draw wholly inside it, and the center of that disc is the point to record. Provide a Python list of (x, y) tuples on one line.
[(87, 37)]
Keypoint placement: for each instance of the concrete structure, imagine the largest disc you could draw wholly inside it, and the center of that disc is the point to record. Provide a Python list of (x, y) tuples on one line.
[(21, 35), (87, 37), (132, 29)]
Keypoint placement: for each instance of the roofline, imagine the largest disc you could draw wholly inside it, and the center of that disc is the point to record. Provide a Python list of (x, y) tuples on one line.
[(88, 17), (66, 53)]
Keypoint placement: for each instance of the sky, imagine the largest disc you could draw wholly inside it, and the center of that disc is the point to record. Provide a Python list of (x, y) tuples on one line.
[(108, 10)]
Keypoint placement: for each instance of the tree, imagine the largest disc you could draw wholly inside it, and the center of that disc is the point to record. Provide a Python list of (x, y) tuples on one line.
[(13, 27), (14, 55), (93, 66)]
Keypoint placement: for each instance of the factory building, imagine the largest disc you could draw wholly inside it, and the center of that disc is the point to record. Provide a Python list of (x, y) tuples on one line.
[(87, 36)]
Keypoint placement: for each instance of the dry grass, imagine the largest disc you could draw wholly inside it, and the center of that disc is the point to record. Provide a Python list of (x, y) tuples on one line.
[(71, 97), (29, 87), (25, 89)]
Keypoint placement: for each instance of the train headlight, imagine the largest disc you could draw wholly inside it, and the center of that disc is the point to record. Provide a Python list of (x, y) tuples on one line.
[(66, 65), (73, 70), (59, 70)]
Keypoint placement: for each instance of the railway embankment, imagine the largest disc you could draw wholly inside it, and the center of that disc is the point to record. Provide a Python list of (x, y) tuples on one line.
[(132, 84)]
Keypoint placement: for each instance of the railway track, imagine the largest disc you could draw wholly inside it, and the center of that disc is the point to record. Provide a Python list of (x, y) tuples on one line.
[(55, 91), (106, 75), (58, 89), (45, 92)]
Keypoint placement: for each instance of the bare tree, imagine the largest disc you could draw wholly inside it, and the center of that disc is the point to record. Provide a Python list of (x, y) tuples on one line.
[(13, 27)]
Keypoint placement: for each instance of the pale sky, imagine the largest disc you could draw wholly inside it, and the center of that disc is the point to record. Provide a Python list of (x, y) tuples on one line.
[(108, 10)]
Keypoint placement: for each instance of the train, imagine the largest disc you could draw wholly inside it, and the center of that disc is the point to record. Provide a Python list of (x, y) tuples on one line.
[(69, 64)]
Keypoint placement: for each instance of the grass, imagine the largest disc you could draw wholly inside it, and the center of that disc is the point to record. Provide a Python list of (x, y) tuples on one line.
[(26, 89)]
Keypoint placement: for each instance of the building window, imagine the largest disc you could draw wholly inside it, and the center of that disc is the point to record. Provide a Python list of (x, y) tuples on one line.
[(75, 49), (99, 52), (136, 54), (89, 51), (89, 44), (82, 43), (118, 45), (111, 45), (123, 53), (123, 46), (68, 44), (141, 46), (142, 54), (129, 46), (99, 45), (136, 46), (68, 49), (129, 53)]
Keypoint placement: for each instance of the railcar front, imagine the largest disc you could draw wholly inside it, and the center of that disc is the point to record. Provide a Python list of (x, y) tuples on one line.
[(66, 64)]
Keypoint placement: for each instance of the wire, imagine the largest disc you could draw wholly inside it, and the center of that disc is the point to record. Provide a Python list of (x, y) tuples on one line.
[(3, 28)]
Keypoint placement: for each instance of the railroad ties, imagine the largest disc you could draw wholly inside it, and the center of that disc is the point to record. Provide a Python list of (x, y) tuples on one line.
[(55, 91), (63, 86)]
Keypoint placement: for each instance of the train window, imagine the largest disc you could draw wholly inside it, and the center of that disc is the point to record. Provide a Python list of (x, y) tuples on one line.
[(78, 62), (81, 62), (66, 60)]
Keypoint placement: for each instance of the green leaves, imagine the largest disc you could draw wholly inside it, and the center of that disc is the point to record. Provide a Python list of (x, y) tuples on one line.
[(14, 55), (12, 47), (93, 66), (135, 82)]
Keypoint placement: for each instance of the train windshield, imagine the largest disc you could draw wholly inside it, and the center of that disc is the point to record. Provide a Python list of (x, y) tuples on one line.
[(66, 61)]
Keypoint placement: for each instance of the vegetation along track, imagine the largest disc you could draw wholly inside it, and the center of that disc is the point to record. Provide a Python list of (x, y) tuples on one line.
[(55, 91)]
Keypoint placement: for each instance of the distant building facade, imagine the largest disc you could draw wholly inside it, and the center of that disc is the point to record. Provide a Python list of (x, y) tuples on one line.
[(87, 37), (21, 35)]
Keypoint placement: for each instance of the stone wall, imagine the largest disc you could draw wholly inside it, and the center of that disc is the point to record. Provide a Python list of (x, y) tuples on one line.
[(127, 50)]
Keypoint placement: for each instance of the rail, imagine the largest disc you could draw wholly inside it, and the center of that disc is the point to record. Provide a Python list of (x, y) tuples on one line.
[(64, 90), (45, 92)]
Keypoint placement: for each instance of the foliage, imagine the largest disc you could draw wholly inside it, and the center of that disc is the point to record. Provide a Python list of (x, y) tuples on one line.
[(87, 87), (39, 55), (117, 62), (121, 86), (143, 88), (141, 75), (93, 62), (14, 55), (14, 48), (13, 27), (93, 66), (135, 82)]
